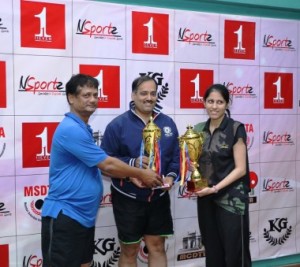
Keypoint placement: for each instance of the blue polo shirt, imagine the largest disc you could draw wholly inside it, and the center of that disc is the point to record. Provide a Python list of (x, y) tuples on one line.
[(75, 184)]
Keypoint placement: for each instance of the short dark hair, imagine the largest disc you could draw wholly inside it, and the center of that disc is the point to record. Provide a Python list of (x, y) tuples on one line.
[(139, 80), (80, 80)]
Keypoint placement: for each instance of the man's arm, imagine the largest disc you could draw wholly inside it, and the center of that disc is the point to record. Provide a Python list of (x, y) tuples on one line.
[(114, 167), (111, 143)]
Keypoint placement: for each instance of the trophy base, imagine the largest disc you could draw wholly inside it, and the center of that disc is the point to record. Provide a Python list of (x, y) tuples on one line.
[(196, 185)]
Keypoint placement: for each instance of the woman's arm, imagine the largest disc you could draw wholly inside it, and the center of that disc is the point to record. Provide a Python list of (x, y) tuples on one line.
[(240, 161)]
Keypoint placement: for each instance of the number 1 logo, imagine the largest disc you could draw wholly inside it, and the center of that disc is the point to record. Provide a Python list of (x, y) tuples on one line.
[(278, 90), (193, 84), (43, 25), (36, 143), (239, 39), (150, 33)]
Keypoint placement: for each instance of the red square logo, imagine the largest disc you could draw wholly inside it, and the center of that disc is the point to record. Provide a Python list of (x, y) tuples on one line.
[(4, 255), (193, 84), (2, 84), (278, 90), (36, 143), (150, 33), (109, 84), (239, 39), (43, 25)]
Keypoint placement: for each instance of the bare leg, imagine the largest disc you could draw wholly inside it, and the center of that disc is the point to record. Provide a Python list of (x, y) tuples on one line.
[(85, 265), (129, 254), (156, 248)]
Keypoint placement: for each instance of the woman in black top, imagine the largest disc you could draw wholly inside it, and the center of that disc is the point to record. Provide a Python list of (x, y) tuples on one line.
[(223, 213)]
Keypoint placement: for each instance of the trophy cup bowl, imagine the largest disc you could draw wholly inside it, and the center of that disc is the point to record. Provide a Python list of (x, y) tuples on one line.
[(151, 135), (194, 142)]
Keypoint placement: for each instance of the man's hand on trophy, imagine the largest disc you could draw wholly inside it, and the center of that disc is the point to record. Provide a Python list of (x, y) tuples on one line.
[(168, 182), (150, 178), (141, 161)]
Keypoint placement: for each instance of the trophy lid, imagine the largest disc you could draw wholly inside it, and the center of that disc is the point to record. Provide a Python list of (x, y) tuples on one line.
[(190, 133), (151, 127)]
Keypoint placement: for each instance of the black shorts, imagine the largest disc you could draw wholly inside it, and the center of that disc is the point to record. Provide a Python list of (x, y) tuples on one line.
[(134, 218), (65, 242)]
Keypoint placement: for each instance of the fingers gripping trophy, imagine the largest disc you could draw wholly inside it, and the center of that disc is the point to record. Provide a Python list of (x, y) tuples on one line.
[(190, 150), (151, 137)]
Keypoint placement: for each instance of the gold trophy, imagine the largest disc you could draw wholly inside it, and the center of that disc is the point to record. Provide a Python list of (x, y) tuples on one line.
[(151, 136), (191, 148)]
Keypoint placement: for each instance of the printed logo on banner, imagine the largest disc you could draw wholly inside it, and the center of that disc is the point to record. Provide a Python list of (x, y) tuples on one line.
[(277, 185), (109, 84), (252, 239), (2, 144), (253, 183), (278, 90), (90, 29), (192, 247), (3, 28), (278, 44), (250, 135), (34, 200), (4, 255), (239, 39), (3, 101), (43, 25), (184, 193), (32, 260), (278, 231), (143, 251), (193, 84), (150, 33), (240, 90), (104, 247), (31, 84), (3, 210), (106, 201), (277, 139), (36, 143), (191, 37)]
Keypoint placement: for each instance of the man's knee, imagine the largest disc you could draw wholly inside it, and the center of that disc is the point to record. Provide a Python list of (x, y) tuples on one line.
[(130, 250)]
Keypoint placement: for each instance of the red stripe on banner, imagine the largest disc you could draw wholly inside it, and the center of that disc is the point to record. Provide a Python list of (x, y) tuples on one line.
[(4, 256), (2, 85)]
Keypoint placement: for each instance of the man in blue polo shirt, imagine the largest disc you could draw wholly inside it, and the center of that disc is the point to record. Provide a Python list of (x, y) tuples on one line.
[(75, 185)]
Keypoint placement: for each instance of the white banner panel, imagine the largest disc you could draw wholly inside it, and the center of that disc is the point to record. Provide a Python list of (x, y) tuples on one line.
[(239, 40), (34, 84), (7, 206), (6, 26), (98, 30), (279, 43), (43, 28), (196, 37), (277, 232), (149, 33), (44, 42)]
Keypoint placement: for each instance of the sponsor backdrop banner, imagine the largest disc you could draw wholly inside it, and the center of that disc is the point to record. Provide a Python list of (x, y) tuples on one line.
[(44, 42)]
